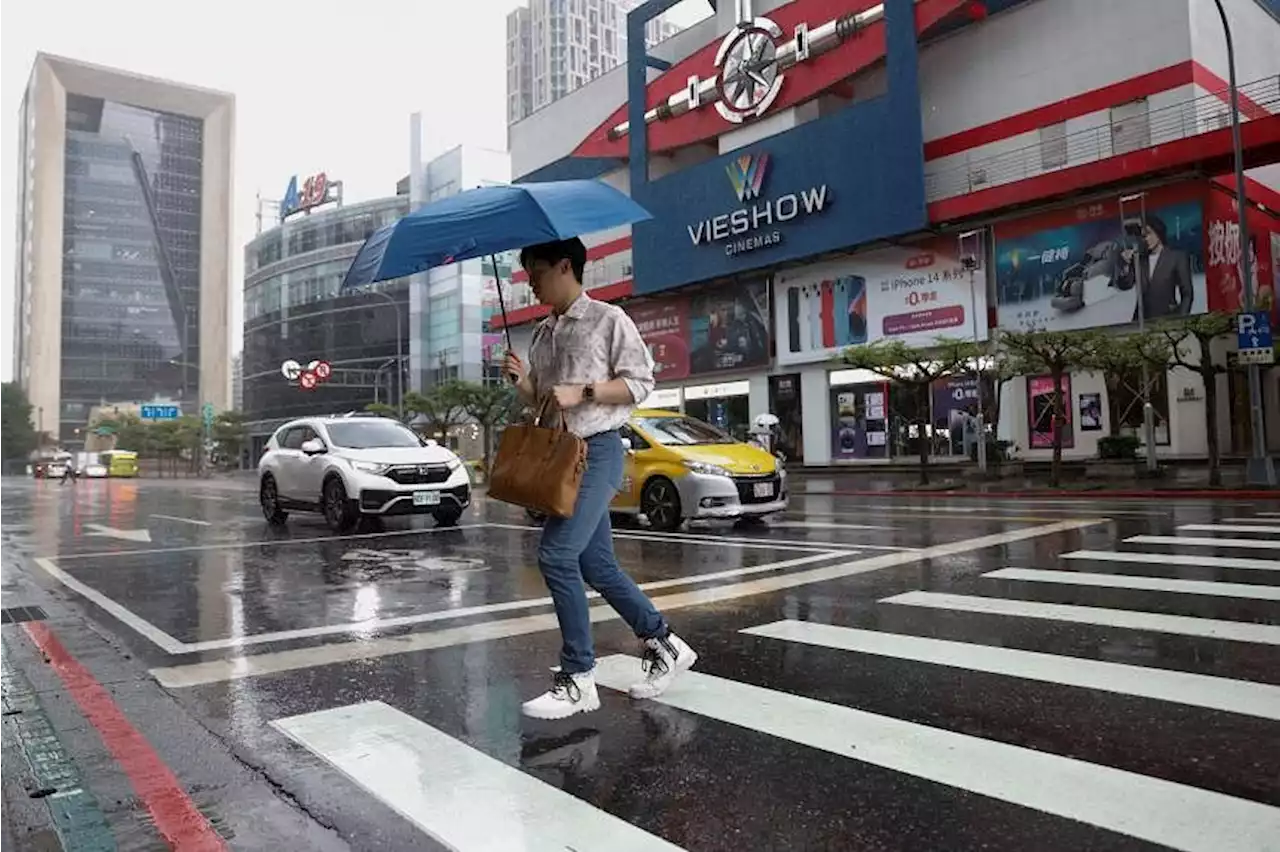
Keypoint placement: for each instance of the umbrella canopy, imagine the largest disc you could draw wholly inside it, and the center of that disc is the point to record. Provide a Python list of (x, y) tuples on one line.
[(487, 221)]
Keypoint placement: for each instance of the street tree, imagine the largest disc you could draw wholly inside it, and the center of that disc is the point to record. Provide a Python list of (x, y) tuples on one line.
[(1120, 360), (1056, 354), (917, 369), (231, 432), (381, 409), (1189, 340), (18, 439), (491, 406), (442, 407)]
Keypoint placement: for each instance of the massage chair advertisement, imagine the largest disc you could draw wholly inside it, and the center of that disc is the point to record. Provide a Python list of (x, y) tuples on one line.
[(1080, 267)]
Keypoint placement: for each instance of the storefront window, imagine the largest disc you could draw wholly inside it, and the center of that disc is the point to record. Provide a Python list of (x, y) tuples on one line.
[(1040, 407), (784, 403), (725, 406), (860, 425), (1125, 397)]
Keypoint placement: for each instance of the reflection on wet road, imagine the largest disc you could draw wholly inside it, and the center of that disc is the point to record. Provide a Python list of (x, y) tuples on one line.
[(874, 673)]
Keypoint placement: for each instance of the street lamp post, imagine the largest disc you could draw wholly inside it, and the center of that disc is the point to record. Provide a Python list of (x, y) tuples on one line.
[(972, 261), (1140, 266), (382, 294), (1261, 470)]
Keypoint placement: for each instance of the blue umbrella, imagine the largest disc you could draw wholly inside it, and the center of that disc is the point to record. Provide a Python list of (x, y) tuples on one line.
[(487, 221)]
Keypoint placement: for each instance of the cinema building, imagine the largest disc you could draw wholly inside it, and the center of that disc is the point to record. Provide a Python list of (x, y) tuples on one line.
[(817, 172)]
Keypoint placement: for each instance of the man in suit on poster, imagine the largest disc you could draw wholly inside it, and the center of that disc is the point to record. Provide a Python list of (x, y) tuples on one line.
[(1167, 290)]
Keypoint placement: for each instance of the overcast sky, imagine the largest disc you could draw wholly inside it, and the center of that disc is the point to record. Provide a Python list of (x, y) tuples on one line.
[(320, 85)]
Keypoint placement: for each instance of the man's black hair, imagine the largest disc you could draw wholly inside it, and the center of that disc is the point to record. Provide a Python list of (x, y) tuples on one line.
[(571, 249), (1155, 223)]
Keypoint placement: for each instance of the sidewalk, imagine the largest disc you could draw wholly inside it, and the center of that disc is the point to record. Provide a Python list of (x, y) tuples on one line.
[(1083, 481)]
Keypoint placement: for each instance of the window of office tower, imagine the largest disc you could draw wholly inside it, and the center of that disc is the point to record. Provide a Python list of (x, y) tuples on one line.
[(131, 257)]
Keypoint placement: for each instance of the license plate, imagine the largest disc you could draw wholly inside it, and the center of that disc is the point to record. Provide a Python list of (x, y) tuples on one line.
[(426, 498), (764, 489)]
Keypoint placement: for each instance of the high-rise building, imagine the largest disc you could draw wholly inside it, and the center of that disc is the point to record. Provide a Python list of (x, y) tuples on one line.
[(124, 238), (448, 304), (556, 46)]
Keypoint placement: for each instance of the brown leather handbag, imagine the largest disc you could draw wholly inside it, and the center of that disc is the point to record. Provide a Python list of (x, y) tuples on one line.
[(538, 466)]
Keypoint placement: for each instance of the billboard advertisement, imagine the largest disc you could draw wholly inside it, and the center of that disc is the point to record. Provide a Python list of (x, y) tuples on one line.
[(724, 328), (1222, 255), (663, 324), (1078, 267), (912, 293)]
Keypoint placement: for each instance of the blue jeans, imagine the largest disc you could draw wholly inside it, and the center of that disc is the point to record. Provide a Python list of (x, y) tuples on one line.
[(579, 549)]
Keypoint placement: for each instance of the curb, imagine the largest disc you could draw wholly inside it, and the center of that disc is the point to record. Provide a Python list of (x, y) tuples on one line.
[(1170, 494)]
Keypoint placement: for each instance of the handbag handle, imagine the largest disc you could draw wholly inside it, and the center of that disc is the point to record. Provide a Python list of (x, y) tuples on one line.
[(547, 401)]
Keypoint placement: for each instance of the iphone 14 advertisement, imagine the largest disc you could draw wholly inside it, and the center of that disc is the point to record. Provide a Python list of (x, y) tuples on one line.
[(827, 314)]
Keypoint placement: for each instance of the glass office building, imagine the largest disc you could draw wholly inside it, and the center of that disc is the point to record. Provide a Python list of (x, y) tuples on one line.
[(124, 222)]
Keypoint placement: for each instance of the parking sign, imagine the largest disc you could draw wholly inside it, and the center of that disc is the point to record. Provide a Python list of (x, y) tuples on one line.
[(1253, 338)]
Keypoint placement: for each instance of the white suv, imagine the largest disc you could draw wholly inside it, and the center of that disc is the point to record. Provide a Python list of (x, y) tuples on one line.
[(348, 467)]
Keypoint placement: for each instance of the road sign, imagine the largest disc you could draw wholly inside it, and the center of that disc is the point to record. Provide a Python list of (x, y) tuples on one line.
[(1253, 338), (207, 412), (161, 412), (307, 381)]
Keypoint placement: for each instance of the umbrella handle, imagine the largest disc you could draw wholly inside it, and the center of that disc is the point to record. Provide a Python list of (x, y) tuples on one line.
[(502, 307)]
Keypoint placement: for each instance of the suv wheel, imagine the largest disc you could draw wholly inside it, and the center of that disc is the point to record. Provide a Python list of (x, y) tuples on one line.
[(269, 499), (338, 511)]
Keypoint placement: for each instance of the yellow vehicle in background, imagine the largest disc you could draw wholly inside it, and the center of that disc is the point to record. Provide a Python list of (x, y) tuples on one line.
[(122, 463), (679, 468)]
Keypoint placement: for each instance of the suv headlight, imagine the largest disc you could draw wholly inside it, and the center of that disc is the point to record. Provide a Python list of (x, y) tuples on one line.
[(705, 468), (370, 467), (454, 463)]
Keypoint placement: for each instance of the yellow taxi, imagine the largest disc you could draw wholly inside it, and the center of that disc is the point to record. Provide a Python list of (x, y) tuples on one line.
[(680, 469)]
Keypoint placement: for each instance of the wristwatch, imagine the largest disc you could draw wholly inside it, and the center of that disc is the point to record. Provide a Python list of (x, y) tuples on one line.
[(588, 393)]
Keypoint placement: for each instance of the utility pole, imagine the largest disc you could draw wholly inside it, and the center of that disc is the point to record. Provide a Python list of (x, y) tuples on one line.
[(1140, 263), (972, 255)]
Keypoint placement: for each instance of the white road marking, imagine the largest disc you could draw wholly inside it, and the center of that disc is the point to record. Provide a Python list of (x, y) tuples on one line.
[(1216, 693), (215, 671), (1175, 559), (1231, 528), (979, 512), (115, 532), (374, 625), (1150, 584), (183, 520), (269, 542), (1249, 520), (458, 795), (139, 624), (1176, 815), (823, 525), (1237, 631), (735, 541), (1192, 541)]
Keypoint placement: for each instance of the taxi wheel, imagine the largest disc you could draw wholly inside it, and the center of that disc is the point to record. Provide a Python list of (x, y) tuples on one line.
[(660, 503)]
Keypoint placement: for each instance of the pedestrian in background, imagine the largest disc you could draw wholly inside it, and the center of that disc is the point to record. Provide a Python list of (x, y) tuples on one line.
[(589, 357)]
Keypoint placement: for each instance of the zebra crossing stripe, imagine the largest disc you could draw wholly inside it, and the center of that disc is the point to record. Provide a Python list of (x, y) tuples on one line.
[(1175, 559), (461, 797), (1231, 528), (1210, 628), (1149, 584), (1192, 541), (1215, 693), (1176, 815)]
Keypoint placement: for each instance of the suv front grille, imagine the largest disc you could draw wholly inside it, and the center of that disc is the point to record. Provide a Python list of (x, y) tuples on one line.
[(418, 474)]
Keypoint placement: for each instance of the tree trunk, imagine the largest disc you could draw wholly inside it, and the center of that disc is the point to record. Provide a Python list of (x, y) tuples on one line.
[(1210, 377), (1057, 421), (487, 437), (922, 423)]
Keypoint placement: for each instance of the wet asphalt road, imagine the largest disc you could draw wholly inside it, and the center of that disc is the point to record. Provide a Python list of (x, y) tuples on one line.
[(891, 674)]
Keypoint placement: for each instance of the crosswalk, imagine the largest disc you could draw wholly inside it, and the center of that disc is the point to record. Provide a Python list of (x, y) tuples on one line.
[(469, 800)]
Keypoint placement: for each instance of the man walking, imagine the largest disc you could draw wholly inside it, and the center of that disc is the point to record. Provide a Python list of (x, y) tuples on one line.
[(589, 357)]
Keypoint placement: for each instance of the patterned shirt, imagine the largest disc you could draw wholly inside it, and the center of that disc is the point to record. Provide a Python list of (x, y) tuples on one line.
[(591, 342)]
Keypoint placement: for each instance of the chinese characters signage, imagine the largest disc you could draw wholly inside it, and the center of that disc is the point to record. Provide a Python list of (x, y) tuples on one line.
[(915, 294)]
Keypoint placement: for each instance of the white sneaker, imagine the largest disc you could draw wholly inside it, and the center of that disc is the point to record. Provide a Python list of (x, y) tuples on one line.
[(569, 694), (663, 660)]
